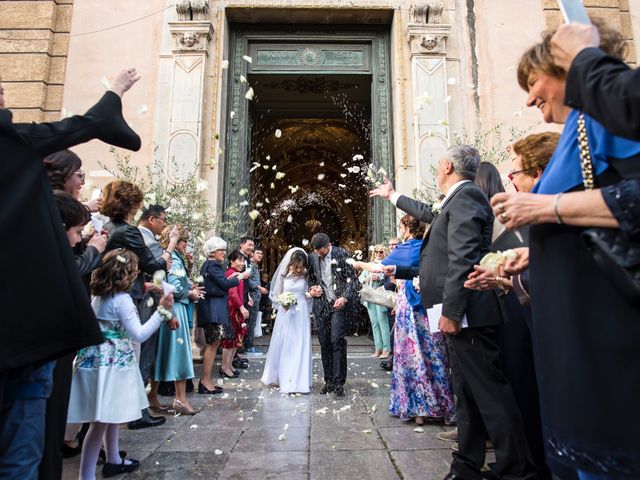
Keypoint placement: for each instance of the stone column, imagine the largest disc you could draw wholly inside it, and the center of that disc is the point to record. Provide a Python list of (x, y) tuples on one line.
[(191, 35), (427, 39)]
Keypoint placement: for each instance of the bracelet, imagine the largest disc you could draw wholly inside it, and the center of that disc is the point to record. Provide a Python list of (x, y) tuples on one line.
[(168, 316), (500, 285), (556, 199)]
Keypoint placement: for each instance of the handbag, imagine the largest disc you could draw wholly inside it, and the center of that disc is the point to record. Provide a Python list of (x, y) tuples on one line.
[(618, 257), (378, 295)]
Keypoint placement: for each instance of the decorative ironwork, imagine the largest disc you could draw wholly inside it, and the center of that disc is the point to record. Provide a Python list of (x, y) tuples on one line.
[(309, 57)]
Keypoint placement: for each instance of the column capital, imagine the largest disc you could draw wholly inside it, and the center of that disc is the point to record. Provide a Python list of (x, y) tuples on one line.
[(191, 36), (428, 39)]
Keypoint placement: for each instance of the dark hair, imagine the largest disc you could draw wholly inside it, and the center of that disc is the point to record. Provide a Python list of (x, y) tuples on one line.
[(73, 212), (245, 238), (488, 179), (297, 258), (320, 240), (152, 211), (119, 198), (234, 255), (413, 225), (60, 166), (536, 150), (117, 272)]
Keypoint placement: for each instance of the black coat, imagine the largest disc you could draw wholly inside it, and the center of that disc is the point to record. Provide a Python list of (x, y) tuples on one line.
[(457, 239), (606, 89), (46, 311), (123, 235), (344, 278)]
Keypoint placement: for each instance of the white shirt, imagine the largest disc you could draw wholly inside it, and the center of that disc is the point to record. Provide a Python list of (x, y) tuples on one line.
[(394, 198)]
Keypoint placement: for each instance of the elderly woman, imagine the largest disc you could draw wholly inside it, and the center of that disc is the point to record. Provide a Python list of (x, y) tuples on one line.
[(585, 332), (377, 313), (213, 310)]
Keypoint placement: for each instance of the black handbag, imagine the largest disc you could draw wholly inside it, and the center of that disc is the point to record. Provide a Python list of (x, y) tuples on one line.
[(617, 256)]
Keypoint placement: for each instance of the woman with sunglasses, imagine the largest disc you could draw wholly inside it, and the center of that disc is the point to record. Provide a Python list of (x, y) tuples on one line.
[(64, 169), (377, 313)]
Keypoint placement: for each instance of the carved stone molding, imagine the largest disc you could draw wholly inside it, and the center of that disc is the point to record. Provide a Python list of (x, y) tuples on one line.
[(191, 36), (428, 39), (189, 10), (429, 12)]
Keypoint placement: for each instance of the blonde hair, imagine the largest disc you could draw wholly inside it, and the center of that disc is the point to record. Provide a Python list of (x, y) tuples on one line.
[(379, 246), (538, 58)]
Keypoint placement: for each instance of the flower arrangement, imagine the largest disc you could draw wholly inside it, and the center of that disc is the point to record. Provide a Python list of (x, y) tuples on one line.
[(287, 299), (492, 261)]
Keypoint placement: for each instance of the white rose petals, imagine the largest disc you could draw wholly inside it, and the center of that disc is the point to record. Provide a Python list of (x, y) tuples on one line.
[(278, 133), (280, 175), (447, 99), (158, 277), (243, 192), (374, 408), (451, 81), (322, 164), (443, 122), (249, 95), (243, 79), (217, 451), (382, 171), (341, 185), (232, 114), (321, 177), (374, 385), (282, 437), (272, 186), (193, 427), (418, 430), (345, 408), (244, 203), (294, 189), (253, 214), (247, 58), (347, 200), (259, 204), (180, 341), (290, 219), (350, 261), (121, 259), (143, 109), (357, 157), (305, 242), (517, 114), (423, 99), (224, 64), (343, 175), (150, 302), (286, 427), (368, 430), (256, 165), (196, 216), (105, 83)]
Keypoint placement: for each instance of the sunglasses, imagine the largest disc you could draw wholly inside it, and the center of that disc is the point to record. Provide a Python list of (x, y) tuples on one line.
[(378, 251), (81, 175)]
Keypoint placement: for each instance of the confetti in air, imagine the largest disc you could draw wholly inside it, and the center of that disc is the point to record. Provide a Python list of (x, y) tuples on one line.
[(451, 81), (278, 133), (224, 64), (247, 58), (249, 95), (253, 214)]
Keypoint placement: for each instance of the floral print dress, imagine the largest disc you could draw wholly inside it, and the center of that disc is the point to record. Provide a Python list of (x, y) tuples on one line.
[(420, 382)]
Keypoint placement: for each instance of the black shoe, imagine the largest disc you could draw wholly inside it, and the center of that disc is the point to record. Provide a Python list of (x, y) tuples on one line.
[(103, 455), (189, 387), (387, 364), (453, 476), (70, 452), (224, 375), (240, 364), (339, 391), (147, 421), (111, 469), (204, 390), (328, 388), (167, 389)]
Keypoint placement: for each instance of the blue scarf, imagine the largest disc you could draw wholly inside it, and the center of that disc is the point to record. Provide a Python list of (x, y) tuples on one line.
[(564, 173), (407, 254)]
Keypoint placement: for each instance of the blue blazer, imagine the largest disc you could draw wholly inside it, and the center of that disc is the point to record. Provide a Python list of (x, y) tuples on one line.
[(214, 307)]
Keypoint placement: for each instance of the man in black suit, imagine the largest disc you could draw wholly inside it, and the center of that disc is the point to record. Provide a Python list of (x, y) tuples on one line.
[(334, 284), (459, 235)]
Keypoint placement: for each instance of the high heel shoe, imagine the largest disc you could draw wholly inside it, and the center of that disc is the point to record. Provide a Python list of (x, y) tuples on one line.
[(224, 374), (204, 390), (384, 355), (181, 408)]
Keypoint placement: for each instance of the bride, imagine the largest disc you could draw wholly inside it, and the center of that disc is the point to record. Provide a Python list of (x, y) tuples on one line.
[(289, 362)]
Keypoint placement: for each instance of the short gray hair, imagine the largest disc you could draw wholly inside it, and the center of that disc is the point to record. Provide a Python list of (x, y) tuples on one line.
[(465, 160)]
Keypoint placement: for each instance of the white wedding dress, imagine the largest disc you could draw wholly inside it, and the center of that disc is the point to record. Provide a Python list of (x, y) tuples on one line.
[(289, 363)]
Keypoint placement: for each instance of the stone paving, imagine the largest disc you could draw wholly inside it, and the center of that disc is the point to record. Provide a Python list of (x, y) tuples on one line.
[(254, 432)]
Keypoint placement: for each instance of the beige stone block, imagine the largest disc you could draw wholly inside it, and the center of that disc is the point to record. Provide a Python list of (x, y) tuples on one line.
[(15, 41), (627, 29), (60, 44), (63, 18), (51, 116), (610, 16), (602, 3), (27, 115), (631, 56), (64, 2), (53, 99), (624, 5), (25, 94), (553, 18), (24, 66), (57, 70), (27, 14)]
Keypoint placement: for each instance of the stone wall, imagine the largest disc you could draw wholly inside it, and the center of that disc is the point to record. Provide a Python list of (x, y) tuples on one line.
[(34, 38), (615, 12)]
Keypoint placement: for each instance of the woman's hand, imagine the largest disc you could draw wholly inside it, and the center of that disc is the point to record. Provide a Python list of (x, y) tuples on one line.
[(124, 81), (94, 205), (196, 293), (519, 263), (174, 234), (244, 312), (515, 210), (98, 241), (167, 301), (481, 279)]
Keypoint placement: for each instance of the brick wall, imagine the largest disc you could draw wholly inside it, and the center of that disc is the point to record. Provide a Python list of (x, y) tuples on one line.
[(614, 12), (34, 36)]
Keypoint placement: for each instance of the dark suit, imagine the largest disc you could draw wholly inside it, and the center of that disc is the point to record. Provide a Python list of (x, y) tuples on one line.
[(332, 324), (606, 89), (458, 238)]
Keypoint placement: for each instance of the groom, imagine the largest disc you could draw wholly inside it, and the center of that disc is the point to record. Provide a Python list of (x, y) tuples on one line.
[(333, 284)]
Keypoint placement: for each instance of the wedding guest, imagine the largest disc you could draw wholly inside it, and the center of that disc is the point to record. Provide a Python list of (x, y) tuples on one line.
[(252, 291), (598, 83), (238, 316), (213, 310), (568, 331), (266, 306), (377, 313), (174, 362), (107, 388), (121, 200), (258, 256), (65, 173), (61, 321)]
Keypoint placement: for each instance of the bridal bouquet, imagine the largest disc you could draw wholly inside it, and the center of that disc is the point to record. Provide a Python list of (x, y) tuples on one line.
[(287, 299), (493, 260)]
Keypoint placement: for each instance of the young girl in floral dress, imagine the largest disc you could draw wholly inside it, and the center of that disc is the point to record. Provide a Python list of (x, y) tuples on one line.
[(107, 389)]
